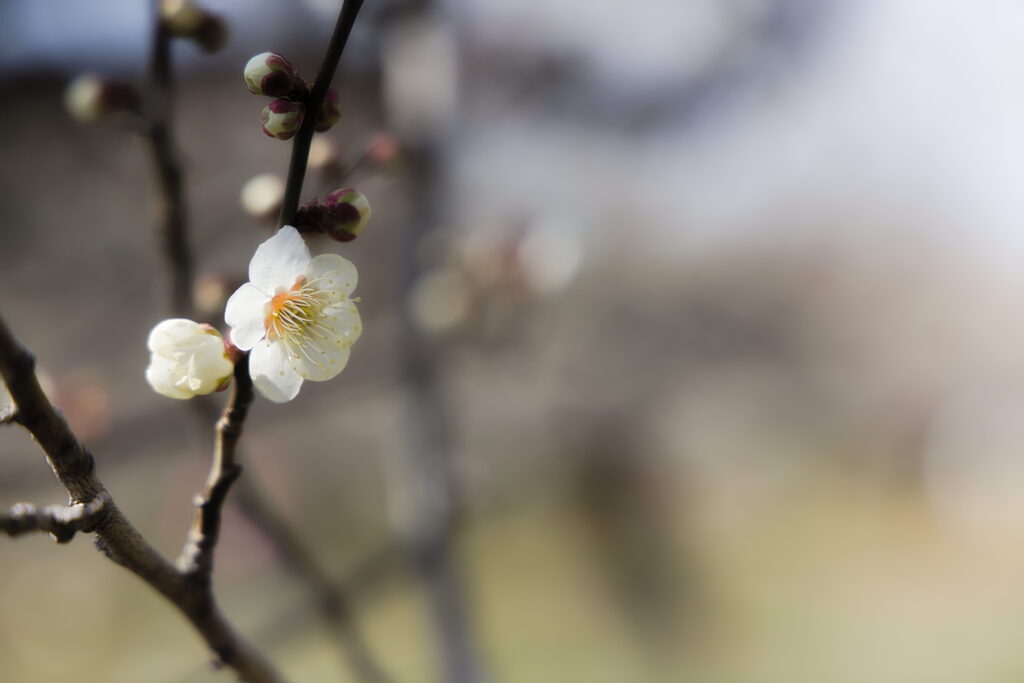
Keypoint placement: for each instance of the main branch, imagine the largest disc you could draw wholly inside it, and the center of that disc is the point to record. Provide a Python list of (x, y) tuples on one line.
[(75, 468)]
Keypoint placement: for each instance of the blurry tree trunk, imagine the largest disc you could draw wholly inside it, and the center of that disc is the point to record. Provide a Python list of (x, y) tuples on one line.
[(417, 47)]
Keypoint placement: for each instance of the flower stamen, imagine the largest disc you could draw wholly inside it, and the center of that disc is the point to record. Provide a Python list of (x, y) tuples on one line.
[(293, 314)]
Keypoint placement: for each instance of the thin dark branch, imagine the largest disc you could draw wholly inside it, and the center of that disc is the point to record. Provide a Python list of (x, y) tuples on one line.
[(60, 521), (196, 559), (74, 467), (333, 600), (173, 228), (300, 145)]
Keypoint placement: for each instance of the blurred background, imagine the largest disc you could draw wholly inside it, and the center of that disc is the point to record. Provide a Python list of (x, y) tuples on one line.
[(693, 342)]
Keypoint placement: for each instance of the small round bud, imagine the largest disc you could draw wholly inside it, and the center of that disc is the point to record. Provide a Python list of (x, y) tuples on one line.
[(92, 99), (342, 215), (330, 112), (185, 19), (270, 74), (282, 118), (346, 214), (262, 195)]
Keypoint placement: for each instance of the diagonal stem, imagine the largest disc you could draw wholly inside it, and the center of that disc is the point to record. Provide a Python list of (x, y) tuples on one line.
[(196, 558), (300, 145)]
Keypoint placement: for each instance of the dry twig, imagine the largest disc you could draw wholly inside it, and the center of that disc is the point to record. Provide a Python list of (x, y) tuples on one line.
[(60, 521)]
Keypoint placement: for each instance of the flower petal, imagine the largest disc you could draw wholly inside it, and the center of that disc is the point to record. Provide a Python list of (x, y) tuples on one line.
[(171, 333), (279, 261), (332, 274), (208, 366), (343, 321), (325, 350), (271, 373), (186, 359), (245, 313), (163, 375), (321, 363)]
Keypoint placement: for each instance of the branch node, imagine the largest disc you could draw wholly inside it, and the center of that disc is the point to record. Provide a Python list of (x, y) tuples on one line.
[(60, 521)]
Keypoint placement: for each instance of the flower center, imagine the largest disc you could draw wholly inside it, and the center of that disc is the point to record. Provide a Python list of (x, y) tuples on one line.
[(292, 312)]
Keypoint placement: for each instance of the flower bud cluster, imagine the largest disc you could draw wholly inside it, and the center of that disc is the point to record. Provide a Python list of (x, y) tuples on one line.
[(185, 19), (271, 75), (342, 215)]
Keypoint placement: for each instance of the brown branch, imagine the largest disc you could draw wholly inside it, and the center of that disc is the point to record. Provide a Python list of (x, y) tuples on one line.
[(333, 600), (74, 467), (60, 521), (196, 558)]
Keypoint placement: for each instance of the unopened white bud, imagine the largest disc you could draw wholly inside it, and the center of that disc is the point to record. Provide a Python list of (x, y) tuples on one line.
[(187, 359)]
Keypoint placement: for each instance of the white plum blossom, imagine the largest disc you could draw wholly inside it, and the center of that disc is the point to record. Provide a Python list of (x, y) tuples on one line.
[(187, 359), (294, 315)]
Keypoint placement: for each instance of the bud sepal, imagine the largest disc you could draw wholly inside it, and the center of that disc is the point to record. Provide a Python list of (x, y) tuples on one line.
[(283, 118), (342, 215)]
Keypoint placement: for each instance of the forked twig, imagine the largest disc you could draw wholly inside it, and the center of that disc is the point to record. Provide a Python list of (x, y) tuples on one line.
[(74, 467)]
